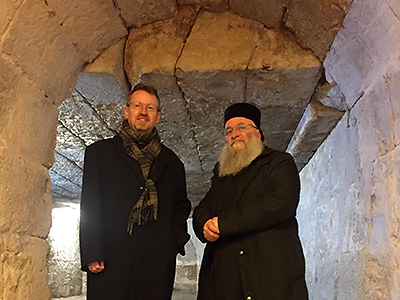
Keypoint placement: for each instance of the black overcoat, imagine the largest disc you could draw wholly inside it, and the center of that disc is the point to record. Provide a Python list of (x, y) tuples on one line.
[(259, 230), (141, 266)]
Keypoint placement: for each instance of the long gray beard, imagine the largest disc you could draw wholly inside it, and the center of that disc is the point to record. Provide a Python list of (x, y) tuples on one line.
[(232, 161)]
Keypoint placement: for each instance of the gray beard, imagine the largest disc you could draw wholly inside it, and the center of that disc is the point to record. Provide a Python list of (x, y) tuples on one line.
[(232, 161)]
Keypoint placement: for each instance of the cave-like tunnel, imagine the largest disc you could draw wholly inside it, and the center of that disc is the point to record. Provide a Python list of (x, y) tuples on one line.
[(325, 75)]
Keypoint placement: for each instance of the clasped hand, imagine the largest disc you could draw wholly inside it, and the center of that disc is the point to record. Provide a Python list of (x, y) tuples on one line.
[(211, 230)]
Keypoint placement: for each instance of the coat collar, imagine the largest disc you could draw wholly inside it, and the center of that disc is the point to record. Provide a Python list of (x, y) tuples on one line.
[(157, 168)]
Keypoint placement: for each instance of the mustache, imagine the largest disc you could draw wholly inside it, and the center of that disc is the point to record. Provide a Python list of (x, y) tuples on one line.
[(236, 139), (143, 116)]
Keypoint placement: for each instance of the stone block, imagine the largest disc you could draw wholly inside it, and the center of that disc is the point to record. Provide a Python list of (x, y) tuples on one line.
[(9, 86), (314, 126), (8, 9), (202, 90), (26, 272), (214, 5), (111, 62), (330, 96), (138, 12), (392, 84), (83, 23), (81, 119), (270, 13), (27, 207), (220, 41), (376, 132), (32, 121), (364, 48), (157, 46), (35, 43), (316, 23), (395, 7), (281, 73)]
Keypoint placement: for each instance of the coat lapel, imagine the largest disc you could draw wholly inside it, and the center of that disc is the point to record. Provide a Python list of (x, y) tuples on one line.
[(160, 164), (132, 164)]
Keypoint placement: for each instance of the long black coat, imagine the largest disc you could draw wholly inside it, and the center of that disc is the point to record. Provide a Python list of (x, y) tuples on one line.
[(141, 266), (259, 231)]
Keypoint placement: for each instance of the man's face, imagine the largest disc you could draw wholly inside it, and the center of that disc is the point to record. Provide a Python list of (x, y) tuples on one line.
[(239, 131), (143, 112)]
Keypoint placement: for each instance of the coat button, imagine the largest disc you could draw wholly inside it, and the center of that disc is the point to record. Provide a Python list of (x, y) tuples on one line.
[(248, 298), (241, 252)]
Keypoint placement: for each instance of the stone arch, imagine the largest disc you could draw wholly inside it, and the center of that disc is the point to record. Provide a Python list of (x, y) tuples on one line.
[(44, 45)]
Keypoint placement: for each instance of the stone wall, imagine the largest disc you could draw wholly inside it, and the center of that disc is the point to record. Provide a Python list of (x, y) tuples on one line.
[(43, 46), (350, 208)]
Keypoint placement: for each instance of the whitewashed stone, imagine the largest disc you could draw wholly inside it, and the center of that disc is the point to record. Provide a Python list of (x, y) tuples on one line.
[(83, 23), (8, 9), (35, 43), (362, 50), (316, 23), (139, 12), (215, 5), (314, 126), (395, 7), (392, 84), (270, 13), (376, 134), (157, 46)]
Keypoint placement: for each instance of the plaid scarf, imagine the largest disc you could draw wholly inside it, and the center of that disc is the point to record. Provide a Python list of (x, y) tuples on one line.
[(146, 208)]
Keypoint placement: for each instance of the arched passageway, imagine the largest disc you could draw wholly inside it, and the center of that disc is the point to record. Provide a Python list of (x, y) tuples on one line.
[(43, 51)]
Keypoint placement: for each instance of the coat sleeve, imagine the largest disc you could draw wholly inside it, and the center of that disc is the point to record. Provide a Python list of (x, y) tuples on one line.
[(276, 204), (181, 210), (92, 247), (203, 212)]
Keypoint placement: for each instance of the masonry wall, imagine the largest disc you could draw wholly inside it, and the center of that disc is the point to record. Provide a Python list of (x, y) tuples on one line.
[(350, 201)]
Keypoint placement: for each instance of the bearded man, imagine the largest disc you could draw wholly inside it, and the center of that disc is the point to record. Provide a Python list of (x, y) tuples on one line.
[(247, 218)]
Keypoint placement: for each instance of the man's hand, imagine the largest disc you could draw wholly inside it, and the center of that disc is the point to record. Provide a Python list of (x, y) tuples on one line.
[(96, 266), (211, 230)]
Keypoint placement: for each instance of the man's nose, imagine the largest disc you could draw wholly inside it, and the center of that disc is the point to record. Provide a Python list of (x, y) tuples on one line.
[(143, 109)]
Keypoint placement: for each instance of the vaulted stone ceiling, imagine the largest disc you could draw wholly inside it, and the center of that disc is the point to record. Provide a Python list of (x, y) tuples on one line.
[(203, 55)]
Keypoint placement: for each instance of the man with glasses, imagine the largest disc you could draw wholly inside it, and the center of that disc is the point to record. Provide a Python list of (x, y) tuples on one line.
[(134, 208), (247, 218)]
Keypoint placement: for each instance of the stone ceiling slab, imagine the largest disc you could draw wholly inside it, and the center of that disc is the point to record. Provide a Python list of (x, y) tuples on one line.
[(68, 168), (269, 13), (278, 123), (35, 43), (157, 46), (100, 88), (220, 41), (83, 22), (111, 61), (315, 125), (139, 12), (69, 145), (281, 73), (208, 94), (64, 190), (316, 22), (215, 5), (82, 120)]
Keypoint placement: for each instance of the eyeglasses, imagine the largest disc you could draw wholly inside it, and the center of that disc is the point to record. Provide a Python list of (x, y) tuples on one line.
[(149, 107), (240, 127)]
